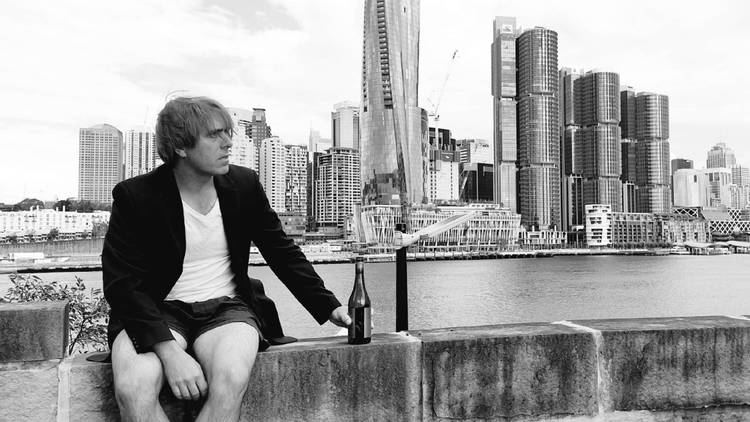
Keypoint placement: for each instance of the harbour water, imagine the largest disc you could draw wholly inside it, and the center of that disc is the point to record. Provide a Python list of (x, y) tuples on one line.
[(463, 293)]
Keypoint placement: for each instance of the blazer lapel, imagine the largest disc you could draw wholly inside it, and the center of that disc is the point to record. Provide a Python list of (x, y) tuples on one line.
[(171, 205), (230, 212)]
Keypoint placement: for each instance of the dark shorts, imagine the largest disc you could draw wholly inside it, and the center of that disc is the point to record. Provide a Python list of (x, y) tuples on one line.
[(193, 319)]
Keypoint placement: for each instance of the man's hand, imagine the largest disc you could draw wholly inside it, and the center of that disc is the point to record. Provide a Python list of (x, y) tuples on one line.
[(340, 317), (184, 375)]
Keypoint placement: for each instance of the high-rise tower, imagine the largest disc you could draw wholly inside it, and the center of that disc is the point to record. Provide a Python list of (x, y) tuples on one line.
[(140, 151), (720, 155), (653, 177), (100, 164), (345, 125), (597, 157), (504, 135), (538, 128), (393, 128), (571, 189)]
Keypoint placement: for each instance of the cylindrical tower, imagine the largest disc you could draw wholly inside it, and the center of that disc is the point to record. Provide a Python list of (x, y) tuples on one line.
[(652, 153), (538, 128)]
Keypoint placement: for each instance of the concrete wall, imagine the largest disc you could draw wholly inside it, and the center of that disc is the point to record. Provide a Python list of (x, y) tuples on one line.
[(61, 248), (661, 369)]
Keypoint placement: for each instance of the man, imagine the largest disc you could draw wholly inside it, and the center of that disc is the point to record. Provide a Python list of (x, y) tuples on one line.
[(183, 310)]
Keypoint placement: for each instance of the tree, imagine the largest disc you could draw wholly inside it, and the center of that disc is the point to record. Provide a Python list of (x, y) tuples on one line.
[(28, 203), (99, 229), (67, 203), (53, 234)]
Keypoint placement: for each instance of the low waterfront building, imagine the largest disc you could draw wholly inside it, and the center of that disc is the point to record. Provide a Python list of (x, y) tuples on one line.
[(542, 239), (638, 230), (490, 229), (598, 221), (43, 224), (294, 225)]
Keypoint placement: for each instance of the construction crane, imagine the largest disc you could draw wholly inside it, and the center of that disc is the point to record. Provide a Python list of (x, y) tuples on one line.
[(436, 105)]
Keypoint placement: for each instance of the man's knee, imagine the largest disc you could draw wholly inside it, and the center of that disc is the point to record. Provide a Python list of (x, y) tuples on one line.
[(138, 385), (230, 379)]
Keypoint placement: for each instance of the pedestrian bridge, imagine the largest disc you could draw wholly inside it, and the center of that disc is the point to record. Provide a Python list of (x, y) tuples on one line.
[(652, 369)]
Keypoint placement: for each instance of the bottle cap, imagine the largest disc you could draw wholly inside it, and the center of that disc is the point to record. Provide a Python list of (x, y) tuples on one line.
[(359, 259)]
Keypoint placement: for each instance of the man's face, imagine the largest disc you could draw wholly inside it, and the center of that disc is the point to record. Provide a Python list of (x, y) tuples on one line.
[(210, 155)]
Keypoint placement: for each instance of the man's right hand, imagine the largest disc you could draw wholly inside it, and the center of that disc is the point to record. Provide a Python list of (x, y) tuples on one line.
[(184, 375)]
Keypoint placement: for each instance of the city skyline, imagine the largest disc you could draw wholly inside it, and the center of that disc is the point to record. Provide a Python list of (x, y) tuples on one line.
[(213, 50)]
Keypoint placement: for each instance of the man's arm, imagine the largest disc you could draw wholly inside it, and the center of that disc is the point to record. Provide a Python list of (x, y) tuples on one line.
[(124, 272), (288, 262)]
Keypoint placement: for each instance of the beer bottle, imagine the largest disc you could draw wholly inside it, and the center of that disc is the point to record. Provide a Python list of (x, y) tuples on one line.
[(359, 307)]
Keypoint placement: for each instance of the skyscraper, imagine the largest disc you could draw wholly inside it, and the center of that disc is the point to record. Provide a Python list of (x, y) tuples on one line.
[(571, 189), (680, 163), (244, 151), (504, 132), (597, 139), (272, 172), (538, 128), (345, 125), (259, 128), (100, 164), (720, 155), (140, 151), (652, 153), (393, 128), (337, 186), (740, 175), (295, 192), (628, 142)]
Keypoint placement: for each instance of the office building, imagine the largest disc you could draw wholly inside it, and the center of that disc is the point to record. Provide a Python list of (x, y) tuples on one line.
[(690, 187), (740, 175), (393, 128), (504, 93), (720, 155), (598, 225), (475, 183), (295, 191), (475, 151), (538, 129), (571, 189), (244, 151), (272, 171), (345, 125), (680, 163), (140, 151), (597, 138), (443, 181), (337, 186), (259, 128), (653, 177), (100, 163)]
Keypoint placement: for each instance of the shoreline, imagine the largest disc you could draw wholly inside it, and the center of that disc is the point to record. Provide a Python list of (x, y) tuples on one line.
[(93, 263)]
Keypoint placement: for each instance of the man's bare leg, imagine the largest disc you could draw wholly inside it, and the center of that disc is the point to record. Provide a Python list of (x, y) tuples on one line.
[(227, 354), (138, 380)]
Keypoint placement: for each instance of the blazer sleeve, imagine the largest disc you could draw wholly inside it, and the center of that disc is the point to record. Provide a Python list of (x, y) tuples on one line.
[(287, 260), (125, 272)]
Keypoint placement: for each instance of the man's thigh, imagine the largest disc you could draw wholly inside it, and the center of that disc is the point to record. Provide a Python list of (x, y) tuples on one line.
[(127, 364), (230, 346)]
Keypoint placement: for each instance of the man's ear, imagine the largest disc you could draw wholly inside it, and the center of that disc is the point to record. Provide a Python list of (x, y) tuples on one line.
[(180, 152)]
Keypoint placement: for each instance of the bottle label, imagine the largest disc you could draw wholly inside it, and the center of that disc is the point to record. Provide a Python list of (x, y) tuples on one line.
[(361, 325)]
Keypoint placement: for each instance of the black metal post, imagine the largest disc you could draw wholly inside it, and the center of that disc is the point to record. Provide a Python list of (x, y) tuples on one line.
[(402, 305)]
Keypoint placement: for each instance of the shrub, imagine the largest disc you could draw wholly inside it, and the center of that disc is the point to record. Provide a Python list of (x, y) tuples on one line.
[(88, 309)]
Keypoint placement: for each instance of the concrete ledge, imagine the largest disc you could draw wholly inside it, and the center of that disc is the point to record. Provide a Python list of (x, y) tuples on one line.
[(675, 363), (28, 391), (505, 372), (33, 331), (329, 380)]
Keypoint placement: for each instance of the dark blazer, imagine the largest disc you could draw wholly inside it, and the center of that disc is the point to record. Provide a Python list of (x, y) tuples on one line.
[(145, 247)]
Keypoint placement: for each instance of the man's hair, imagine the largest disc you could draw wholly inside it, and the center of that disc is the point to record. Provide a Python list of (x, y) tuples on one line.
[(183, 120)]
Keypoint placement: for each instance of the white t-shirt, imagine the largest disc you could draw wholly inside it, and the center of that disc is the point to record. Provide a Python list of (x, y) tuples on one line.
[(206, 270)]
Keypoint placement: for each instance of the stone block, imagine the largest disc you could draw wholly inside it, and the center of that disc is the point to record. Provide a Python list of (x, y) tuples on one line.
[(329, 380), (675, 363), (92, 396), (28, 391), (33, 331), (508, 371)]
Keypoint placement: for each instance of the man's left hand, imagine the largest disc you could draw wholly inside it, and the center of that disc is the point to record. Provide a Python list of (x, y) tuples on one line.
[(340, 317)]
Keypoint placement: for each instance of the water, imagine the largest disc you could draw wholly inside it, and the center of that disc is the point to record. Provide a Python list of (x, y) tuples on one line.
[(463, 293)]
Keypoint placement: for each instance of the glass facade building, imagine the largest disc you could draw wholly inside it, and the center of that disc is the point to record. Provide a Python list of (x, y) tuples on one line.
[(720, 155), (538, 128), (393, 128), (598, 153), (652, 153), (504, 34)]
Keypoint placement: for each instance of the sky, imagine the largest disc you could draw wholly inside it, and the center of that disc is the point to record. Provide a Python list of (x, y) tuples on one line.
[(73, 64)]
